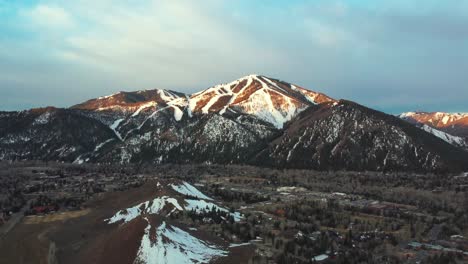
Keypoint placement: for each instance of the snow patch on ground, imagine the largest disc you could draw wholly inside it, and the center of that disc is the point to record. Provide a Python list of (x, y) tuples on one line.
[(445, 119), (148, 207), (187, 189), (156, 205), (100, 145), (42, 119), (171, 244), (108, 96), (143, 106), (199, 206), (114, 127), (239, 245), (178, 114), (454, 140), (270, 102), (261, 105), (167, 96), (78, 160), (189, 105)]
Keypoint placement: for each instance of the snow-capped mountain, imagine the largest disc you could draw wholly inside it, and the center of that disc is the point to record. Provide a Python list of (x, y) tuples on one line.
[(256, 120), (268, 99), (450, 127), (346, 135), (453, 123), (133, 101)]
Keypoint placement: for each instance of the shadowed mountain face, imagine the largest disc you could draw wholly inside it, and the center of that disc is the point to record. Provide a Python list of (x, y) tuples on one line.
[(49, 134), (346, 135), (255, 119)]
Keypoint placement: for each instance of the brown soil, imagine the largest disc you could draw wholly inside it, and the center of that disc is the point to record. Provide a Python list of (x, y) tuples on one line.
[(27, 243), (85, 236)]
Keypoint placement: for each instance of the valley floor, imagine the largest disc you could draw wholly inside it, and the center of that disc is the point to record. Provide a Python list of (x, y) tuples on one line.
[(289, 216)]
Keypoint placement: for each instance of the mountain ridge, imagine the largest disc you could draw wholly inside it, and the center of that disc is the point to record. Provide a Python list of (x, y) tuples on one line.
[(249, 120), (453, 123), (451, 127)]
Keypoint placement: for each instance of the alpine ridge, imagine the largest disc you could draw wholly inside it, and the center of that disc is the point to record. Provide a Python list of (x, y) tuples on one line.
[(453, 123), (451, 127), (254, 120), (269, 99)]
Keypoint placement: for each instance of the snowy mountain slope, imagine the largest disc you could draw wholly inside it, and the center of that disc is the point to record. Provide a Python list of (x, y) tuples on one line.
[(453, 123), (207, 138), (126, 112), (268, 99), (166, 205), (131, 101), (349, 136), (154, 206), (162, 239), (167, 244), (187, 189), (438, 119), (50, 134), (151, 224), (235, 123), (454, 140)]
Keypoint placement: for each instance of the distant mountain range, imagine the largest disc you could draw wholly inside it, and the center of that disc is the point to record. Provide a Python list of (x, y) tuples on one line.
[(451, 127), (253, 120)]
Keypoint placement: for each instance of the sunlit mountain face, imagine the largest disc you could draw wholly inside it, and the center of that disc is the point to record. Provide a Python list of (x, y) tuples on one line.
[(256, 120), (233, 132)]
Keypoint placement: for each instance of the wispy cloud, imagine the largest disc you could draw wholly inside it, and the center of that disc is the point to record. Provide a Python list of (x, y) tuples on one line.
[(49, 16), (386, 54)]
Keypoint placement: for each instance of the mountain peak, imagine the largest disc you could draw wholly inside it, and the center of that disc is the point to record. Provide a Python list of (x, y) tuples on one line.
[(239, 122), (269, 99), (436, 118), (453, 123), (129, 99)]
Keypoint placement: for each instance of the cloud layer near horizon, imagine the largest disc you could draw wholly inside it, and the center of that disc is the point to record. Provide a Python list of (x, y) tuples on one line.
[(391, 55)]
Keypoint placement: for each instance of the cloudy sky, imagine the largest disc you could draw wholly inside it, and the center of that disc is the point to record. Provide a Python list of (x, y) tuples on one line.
[(393, 55)]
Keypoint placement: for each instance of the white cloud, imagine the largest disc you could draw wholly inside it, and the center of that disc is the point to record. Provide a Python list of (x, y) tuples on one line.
[(354, 50), (166, 40), (49, 16)]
